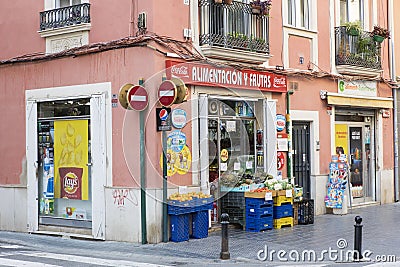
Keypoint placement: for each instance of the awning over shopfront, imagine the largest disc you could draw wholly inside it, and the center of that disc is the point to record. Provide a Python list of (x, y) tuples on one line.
[(359, 101)]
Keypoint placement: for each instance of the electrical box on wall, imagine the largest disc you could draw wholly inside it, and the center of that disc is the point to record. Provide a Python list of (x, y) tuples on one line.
[(142, 21), (187, 33)]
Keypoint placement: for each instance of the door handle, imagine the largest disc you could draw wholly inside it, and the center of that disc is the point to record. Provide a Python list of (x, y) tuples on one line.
[(89, 164)]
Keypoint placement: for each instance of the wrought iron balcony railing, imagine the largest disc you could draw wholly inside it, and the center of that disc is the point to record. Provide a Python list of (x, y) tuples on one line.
[(233, 26), (359, 50), (65, 16)]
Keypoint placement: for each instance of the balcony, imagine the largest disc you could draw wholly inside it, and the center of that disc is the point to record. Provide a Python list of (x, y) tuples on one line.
[(65, 27), (233, 32), (65, 16), (357, 55)]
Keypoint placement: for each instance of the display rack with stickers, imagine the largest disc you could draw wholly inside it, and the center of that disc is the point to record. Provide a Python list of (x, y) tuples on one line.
[(338, 177)]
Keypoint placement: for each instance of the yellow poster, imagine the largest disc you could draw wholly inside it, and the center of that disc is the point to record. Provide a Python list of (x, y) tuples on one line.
[(177, 162), (341, 139), (70, 159)]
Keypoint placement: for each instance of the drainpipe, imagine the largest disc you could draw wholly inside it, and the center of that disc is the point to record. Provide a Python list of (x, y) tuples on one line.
[(288, 131), (393, 78)]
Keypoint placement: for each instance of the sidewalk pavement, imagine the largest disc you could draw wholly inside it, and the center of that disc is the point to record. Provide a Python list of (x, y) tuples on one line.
[(381, 235)]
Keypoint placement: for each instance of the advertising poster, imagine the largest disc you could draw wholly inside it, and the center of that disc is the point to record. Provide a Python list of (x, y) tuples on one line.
[(178, 154), (341, 139), (70, 158)]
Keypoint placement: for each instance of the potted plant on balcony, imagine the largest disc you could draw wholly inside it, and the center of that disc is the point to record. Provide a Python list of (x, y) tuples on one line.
[(353, 28), (379, 34), (260, 7), (228, 2)]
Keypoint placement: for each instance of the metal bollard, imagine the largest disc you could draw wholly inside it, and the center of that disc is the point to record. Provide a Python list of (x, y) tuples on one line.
[(224, 255), (358, 238)]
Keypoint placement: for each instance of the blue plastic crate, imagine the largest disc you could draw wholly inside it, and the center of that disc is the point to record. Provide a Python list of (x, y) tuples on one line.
[(257, 216), (202, 204), (257, 225), (258, 201), (179, 227), (283, 211), (181, 207), (260, 211), (257, 207), (200, 224)]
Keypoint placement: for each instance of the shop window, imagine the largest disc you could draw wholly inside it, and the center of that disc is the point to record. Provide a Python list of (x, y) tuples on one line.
[(64, 180), (230, 108), (64, 108)]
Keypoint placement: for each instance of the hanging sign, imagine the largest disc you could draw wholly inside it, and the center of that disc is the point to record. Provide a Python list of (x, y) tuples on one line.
[(280, 122), (178, 118)]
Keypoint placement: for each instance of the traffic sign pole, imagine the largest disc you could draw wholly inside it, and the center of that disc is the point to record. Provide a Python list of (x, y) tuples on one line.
[(142, 173)]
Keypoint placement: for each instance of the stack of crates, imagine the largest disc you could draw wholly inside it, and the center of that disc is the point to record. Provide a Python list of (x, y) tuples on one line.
[(259, 214), (200, 217), (283, 211), (180, 214)]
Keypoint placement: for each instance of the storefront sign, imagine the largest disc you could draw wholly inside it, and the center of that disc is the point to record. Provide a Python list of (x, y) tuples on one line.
[(70, 159), (178, 118), (209, 75), (163, 119), (357, 88), (280, 122)]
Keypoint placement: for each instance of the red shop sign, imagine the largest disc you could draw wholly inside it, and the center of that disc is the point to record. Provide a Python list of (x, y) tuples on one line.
[(209, 75)]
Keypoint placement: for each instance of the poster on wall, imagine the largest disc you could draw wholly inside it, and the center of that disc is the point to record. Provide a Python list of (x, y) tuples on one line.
[(341, 139), (71, 179)]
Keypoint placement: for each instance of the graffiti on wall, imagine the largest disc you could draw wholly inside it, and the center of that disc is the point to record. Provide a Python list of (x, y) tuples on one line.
[(124, 196)]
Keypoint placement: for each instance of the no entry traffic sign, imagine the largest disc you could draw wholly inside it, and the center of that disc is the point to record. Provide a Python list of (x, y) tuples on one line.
[(167, 93), (138, 98)]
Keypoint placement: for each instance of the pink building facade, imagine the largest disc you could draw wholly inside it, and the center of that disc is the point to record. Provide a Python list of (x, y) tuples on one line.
[(74, 161)]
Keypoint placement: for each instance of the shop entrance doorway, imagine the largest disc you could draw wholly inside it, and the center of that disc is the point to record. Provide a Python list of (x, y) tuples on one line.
[(301, 155), (355, 138)]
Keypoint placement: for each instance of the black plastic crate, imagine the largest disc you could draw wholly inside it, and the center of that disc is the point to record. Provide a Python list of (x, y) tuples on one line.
[(233, 199), (236, 214), (306, 211)]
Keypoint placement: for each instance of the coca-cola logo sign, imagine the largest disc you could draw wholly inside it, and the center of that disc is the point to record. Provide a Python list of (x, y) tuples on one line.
[(280, 82), (180, 71)]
